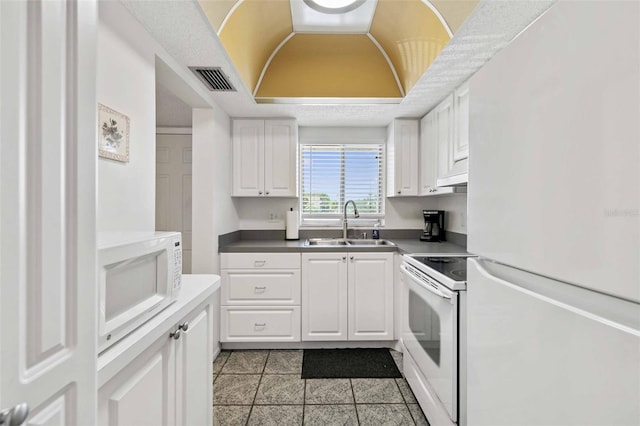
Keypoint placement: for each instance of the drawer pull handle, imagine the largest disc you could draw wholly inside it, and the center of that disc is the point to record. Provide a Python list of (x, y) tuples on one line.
[(260, 289), (260, 325), (259, 263)]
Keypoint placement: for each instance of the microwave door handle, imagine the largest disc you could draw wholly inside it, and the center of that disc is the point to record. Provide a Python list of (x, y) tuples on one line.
[(425, 285)]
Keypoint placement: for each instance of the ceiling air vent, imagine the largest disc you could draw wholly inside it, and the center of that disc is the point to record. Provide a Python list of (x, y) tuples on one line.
[(213, 78)]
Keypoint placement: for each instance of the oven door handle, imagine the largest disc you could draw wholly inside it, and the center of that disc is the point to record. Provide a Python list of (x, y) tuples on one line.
[(426, 286)]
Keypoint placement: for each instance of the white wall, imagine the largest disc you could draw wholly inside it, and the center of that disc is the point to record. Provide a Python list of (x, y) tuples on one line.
[(214, 211), (126, 83), (400, 212), (455, 207), (171, 111)]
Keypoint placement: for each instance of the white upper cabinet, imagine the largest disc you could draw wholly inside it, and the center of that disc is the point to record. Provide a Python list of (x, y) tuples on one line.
[(437, 135), (248, 158), (264, 158), (444, 124), (452, 116), (280, 155), (460, 152), (402, 158), (428, 154)]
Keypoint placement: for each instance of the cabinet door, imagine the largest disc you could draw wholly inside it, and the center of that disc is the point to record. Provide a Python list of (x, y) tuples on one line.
[(144, 392), (280, 158), (248, 158), (324, 296), (405, 143), (260, 324), (370, 296), (444, 125), (279, 287), (428, 154), (194, 354), (459, 153)]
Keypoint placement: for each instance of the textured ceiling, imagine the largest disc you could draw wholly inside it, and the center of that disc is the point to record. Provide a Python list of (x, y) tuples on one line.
[(182, 28)]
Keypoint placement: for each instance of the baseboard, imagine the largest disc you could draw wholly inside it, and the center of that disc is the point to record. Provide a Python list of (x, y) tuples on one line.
[(391, 344)]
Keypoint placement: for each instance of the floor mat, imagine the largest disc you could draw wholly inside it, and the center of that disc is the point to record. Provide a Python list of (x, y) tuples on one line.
[(348, 364)]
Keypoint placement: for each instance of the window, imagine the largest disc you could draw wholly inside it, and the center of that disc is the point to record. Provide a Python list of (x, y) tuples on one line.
[(331, 174)]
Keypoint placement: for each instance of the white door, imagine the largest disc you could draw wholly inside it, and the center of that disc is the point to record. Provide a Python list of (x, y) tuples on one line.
[(280, 158), (173, 189), (370, 296), (248, 158), (324, 296), (48, 162)]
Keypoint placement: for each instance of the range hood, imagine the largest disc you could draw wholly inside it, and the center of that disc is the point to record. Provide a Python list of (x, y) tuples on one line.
[(457, 180)]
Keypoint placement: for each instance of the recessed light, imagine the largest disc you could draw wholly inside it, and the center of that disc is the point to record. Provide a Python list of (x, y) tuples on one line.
[(334, 6)]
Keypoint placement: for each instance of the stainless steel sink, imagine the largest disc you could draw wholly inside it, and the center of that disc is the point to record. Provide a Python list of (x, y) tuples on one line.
[(322, 242), (363, 242), (328, 242)]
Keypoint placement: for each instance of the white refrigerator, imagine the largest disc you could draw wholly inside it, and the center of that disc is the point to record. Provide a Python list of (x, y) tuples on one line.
[(554, 216)]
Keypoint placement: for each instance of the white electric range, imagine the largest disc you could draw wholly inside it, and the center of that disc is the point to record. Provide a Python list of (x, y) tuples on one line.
[(434, 334)]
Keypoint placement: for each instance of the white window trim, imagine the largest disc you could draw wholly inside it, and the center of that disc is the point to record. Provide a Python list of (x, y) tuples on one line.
[(335, 220)]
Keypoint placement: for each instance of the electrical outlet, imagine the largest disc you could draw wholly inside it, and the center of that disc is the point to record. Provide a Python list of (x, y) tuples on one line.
[(273, 217)]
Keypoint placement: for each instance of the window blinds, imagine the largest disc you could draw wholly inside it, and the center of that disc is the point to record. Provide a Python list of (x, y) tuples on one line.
[(333, 174)]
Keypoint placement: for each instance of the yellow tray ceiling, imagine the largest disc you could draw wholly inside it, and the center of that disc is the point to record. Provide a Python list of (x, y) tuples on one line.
[(405, 37)]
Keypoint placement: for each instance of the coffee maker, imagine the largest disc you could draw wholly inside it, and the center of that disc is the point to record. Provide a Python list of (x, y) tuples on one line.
[(433, 225)]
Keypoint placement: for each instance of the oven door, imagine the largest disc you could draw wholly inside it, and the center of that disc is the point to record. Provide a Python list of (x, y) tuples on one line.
[(430, 335)]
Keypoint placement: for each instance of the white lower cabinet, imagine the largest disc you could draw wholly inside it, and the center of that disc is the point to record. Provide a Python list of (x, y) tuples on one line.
[(142, 393), (370, 296), (161, 373), (324, 296), (193, 351), (260, 297), (260, 324), (347, 296)]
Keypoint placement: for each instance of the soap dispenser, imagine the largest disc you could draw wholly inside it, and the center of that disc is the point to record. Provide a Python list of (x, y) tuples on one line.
[(376, 232)]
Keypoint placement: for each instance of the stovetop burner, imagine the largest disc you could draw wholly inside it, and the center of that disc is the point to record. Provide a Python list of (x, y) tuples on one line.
[(453, 267)]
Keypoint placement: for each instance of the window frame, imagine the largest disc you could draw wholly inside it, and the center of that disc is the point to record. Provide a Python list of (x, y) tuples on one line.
[(335, 219)]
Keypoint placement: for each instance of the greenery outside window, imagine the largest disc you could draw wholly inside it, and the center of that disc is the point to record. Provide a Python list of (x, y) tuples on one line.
[(331, 174)]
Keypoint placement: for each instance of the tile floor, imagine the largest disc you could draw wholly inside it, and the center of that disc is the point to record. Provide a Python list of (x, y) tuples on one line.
[(265, 388)]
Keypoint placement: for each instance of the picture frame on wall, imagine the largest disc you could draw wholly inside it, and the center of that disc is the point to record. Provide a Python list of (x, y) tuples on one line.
[(113, 134)]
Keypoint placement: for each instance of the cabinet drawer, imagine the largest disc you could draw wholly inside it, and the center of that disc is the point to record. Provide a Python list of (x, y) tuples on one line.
[(260, 261), (260, 324), (270, 287)]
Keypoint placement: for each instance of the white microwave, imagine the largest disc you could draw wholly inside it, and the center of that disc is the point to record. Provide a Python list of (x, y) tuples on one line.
[(140, 274)]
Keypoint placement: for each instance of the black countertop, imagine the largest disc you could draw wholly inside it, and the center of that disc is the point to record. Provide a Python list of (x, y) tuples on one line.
[(404, 246)]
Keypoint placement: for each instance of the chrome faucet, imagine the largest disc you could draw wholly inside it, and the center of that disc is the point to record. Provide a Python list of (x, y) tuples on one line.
[(345, 226)]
